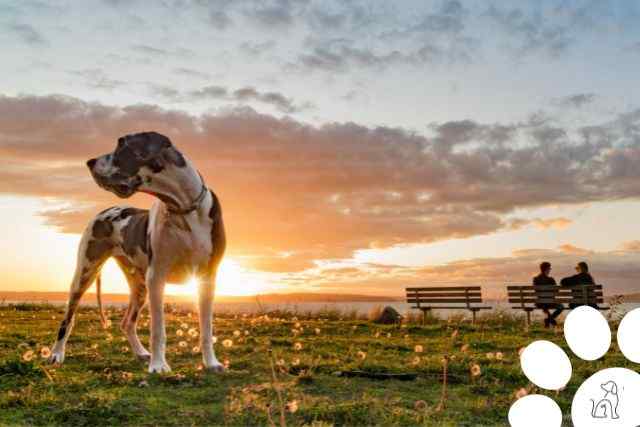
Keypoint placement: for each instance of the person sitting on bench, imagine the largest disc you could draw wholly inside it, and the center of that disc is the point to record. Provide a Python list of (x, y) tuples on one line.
[(544, 279), (582, 278)]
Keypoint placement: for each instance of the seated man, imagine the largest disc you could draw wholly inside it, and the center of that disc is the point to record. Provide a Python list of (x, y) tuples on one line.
[(582, 278), (544, 279)]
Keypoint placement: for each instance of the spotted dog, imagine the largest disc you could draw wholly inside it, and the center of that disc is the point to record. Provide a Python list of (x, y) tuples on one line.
[(180, 237)]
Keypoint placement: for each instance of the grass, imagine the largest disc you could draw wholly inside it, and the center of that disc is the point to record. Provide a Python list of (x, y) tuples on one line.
[(269, 381)]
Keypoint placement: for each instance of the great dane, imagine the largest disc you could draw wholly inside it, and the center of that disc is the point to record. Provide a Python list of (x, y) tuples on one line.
[(180, 237)]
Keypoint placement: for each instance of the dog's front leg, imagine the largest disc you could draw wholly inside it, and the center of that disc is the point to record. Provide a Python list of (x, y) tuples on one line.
[(155, 284), (206, 290)]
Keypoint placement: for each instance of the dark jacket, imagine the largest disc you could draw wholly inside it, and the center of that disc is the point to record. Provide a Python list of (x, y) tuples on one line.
[(578, 279), (542, 280)]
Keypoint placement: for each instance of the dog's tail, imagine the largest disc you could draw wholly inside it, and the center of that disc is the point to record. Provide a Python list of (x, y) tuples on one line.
[(103, 319)]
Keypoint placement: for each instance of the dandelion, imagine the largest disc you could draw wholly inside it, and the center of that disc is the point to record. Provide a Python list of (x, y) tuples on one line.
[(280, 362), (389, 335), (236, 334), (182, 344), (195, 349), (454, 334), (377, 335), (464, 348), (246, 333), (226, 363), (27, 355), (179, 332), (475, 370), (45, 352), (499, 355), (361, 355), (124, 349), (415, 361), (143, 383), (292, 406), (317, 330), (420, 405), (297, 325), (126, 375), (227, 343), (94, 346), (418, 348), (521, 392), (184, 326), (491, 356), (354, 327), (193, 332), (297, 346), (214, 339), (295, 362)]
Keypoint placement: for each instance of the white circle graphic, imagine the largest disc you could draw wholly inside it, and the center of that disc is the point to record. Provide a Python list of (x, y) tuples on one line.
[(546, 365), (608, 398), (587, 333), (535, 410), (628, 335)]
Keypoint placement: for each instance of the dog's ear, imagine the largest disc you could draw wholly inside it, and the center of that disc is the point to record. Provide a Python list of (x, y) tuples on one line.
[(614, 388)]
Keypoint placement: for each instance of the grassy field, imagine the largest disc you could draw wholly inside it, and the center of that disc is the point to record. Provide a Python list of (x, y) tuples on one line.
[(282, 369)]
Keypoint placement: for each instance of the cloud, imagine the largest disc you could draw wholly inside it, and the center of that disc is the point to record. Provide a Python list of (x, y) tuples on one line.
[(540, 223), (574, 250), (162, 53), (28, 34), (97, 79), (296, 193), (578, 100), (189, 72), (276, 14), (245, 94)]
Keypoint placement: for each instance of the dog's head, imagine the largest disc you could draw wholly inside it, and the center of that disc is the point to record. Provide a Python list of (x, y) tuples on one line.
[(132, 165), (610, 387)]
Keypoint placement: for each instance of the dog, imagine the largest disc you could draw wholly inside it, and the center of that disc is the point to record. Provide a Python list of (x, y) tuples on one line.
[(608, 405), (180, 237)]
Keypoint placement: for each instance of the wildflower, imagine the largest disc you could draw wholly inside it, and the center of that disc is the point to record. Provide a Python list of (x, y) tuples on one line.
[(297, 325), (521, 392), (415, 361), (124, 349), (464, 348), (389, 335), (27, 355), (236, 334), (94, 346), (362, 355), (227, 343), (143, 383), (182, 344), (454, 334), (179, 332), (184, 326), (491, 356), (280, 362), (418, 348), (499, 355), (195, 349), (295, 362), (214, 339), (126, 375), (475, 370), (420, 405), (377, 335), (297, 346), (193, 332), (292, 406), (246, 333), (45, 352), (226, 363)]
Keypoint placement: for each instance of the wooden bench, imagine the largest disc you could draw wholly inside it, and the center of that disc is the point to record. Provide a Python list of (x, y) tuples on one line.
[(527, 297), (450, 297)]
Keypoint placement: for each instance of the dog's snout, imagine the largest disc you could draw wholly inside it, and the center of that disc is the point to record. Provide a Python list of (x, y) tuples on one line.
[(91, 163)]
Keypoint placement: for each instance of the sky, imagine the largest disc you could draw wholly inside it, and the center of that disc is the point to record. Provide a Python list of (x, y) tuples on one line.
[(356, 147)]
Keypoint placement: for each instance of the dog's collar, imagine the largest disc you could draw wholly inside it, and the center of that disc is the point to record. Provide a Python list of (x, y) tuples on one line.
[(193, 206)]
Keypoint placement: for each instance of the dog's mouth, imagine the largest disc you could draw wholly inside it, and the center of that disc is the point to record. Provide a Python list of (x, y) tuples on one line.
[(122, 189)]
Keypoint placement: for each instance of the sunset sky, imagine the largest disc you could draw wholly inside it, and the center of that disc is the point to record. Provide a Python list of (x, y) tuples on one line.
[(356, 147)]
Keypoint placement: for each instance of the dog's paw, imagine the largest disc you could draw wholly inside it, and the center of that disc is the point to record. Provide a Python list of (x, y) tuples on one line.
[(216, 367), (144, 357), (56, 358), (160, 367)]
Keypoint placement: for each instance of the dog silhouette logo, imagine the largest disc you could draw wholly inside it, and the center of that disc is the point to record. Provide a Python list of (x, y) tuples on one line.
[(607, 407)]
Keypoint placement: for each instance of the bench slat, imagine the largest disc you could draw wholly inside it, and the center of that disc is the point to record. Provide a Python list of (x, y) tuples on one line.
[(545, 287), (444, 300), (445, 288), (426, 307), (443, 294)]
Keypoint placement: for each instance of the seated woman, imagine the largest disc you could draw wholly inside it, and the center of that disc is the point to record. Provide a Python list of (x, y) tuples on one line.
[(544, 279)]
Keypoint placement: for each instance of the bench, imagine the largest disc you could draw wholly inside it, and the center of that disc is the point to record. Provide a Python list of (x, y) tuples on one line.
[(450, 297), (526, 297)]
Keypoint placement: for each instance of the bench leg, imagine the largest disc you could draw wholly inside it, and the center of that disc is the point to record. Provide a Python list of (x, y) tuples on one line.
[(473, 317), (528, 318)]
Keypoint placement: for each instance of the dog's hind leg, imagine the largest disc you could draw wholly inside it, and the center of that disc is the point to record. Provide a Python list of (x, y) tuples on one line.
[(95, 248), (137, 299)]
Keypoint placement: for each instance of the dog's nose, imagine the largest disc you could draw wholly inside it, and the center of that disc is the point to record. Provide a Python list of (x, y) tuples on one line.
[(91, 163)]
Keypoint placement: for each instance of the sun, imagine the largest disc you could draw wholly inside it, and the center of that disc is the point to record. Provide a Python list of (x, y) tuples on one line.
[(232, 280)]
